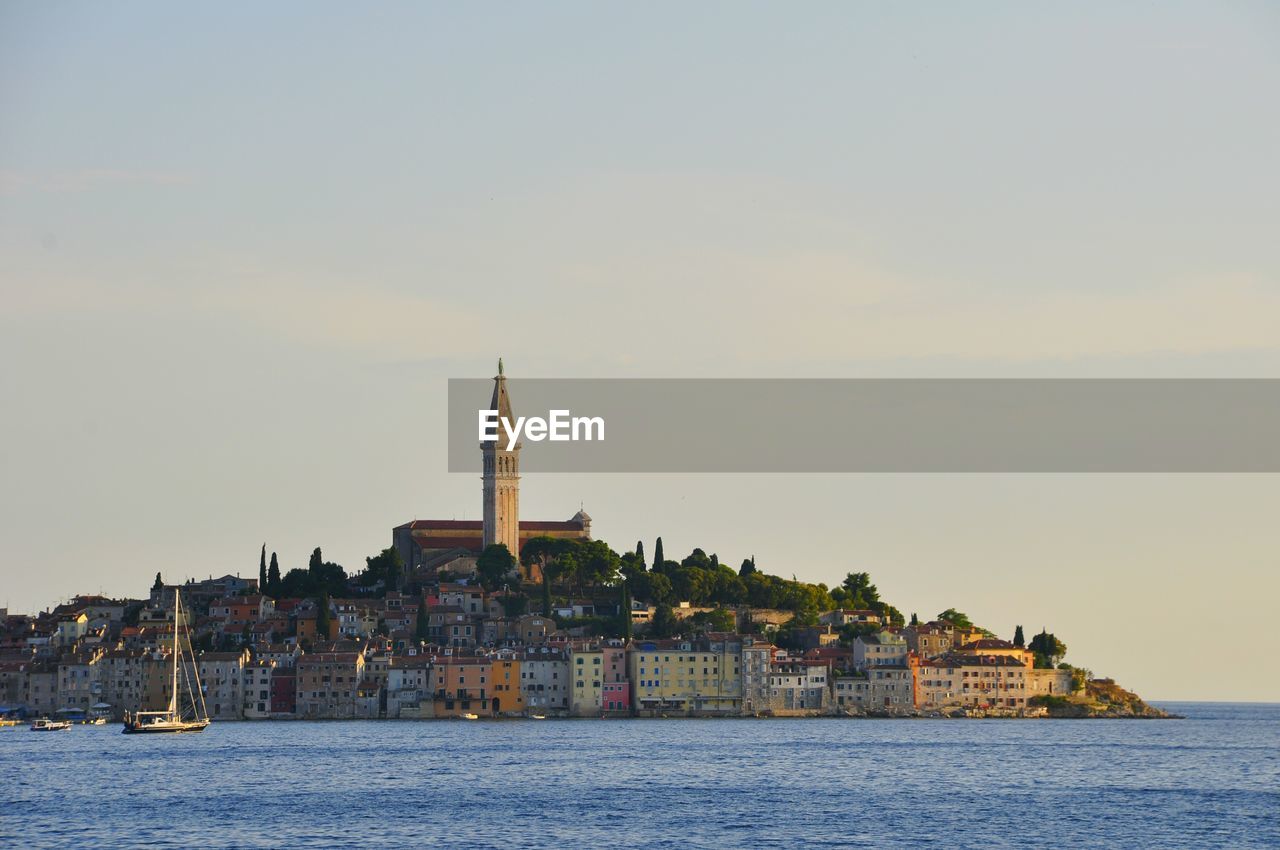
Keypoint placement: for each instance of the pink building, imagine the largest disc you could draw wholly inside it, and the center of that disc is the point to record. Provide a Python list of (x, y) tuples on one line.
[(616, 696)]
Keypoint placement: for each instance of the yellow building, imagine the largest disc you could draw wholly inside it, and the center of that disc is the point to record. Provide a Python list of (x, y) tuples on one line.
[(586, 680), (697, 677)]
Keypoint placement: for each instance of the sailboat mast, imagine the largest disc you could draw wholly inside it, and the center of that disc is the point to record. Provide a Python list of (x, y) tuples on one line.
[(177, 615)]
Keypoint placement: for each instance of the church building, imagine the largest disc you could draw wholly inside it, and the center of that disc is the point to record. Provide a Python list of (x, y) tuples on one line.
[(454, 544)]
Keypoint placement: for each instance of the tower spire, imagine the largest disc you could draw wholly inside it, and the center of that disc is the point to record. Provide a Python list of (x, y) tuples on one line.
[(501, 476)]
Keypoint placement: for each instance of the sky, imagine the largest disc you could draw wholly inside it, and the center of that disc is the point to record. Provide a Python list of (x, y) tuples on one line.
[(243, 247)]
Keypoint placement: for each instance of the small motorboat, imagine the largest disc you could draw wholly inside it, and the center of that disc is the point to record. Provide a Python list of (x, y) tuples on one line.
[(537, 717), (470, 716), (95, 721), (44, 724)]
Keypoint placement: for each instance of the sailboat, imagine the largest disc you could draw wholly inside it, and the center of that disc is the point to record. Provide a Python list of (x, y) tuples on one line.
[(175, 718)]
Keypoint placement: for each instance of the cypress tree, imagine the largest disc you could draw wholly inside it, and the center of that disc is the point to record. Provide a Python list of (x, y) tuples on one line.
[(1018, 639), (273, 578), (262, 570), (322, 616), (640, 554), (626, 614), (657, 554), (421, 629), (915, 621), (316, 560), (546, 595), (159, 584)]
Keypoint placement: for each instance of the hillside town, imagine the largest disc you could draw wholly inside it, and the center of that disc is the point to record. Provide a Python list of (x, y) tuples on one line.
[(448, 622), (370, 657)]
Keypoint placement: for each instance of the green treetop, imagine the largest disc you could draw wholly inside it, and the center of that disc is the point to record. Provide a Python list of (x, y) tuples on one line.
[(495, 566), (956, 618)]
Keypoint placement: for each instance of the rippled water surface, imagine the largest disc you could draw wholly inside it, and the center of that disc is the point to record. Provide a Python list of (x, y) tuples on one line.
[(1212, 780)]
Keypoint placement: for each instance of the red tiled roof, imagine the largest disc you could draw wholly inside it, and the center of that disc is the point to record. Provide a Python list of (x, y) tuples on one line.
[(990, 643), (449, 542), (477, 525)]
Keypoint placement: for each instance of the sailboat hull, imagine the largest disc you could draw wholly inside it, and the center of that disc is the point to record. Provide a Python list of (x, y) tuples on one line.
[(165, 726)]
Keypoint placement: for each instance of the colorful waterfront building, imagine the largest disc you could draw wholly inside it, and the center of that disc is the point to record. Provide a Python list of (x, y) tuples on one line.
[(508, 693), (544, 670), (460, 684)]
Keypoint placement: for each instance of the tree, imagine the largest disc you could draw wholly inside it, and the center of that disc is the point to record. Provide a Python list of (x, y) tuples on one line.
[(546, 595), (716, 620), (788, 635), (385, 567), (495, 566), (915, 621), (640, 554), (852, 631), (421, 626), (657, 554), (892, 615), (313, 565), (274, 588), (1018, 639), (659, 588), (298, 583), (542, 552), (624, 611), (597, 563), (262, 570), (1048, 649), (563, 566), (748, 567), (634, 577), (514, 604), (322, 614), (664, 619), (857, 592), (158, 584), (956, 618), (332, 577)]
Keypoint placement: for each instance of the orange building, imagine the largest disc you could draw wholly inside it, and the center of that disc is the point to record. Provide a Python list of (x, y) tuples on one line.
[(461, 685), (508, 695)]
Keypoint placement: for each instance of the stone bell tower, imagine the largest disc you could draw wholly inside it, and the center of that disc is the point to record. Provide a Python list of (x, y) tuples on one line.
[(501, 476)]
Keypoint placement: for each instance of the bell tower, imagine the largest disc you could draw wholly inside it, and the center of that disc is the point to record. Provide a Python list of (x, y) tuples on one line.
[(501, 476)]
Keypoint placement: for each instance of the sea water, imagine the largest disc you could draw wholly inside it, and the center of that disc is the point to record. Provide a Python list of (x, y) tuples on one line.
[(1211, 780)]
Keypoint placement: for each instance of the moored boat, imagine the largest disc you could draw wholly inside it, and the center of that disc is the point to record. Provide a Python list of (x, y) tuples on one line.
[(44, 724)]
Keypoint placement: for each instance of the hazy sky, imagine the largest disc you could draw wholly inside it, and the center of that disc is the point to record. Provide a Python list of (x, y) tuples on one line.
[(242, 247)]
